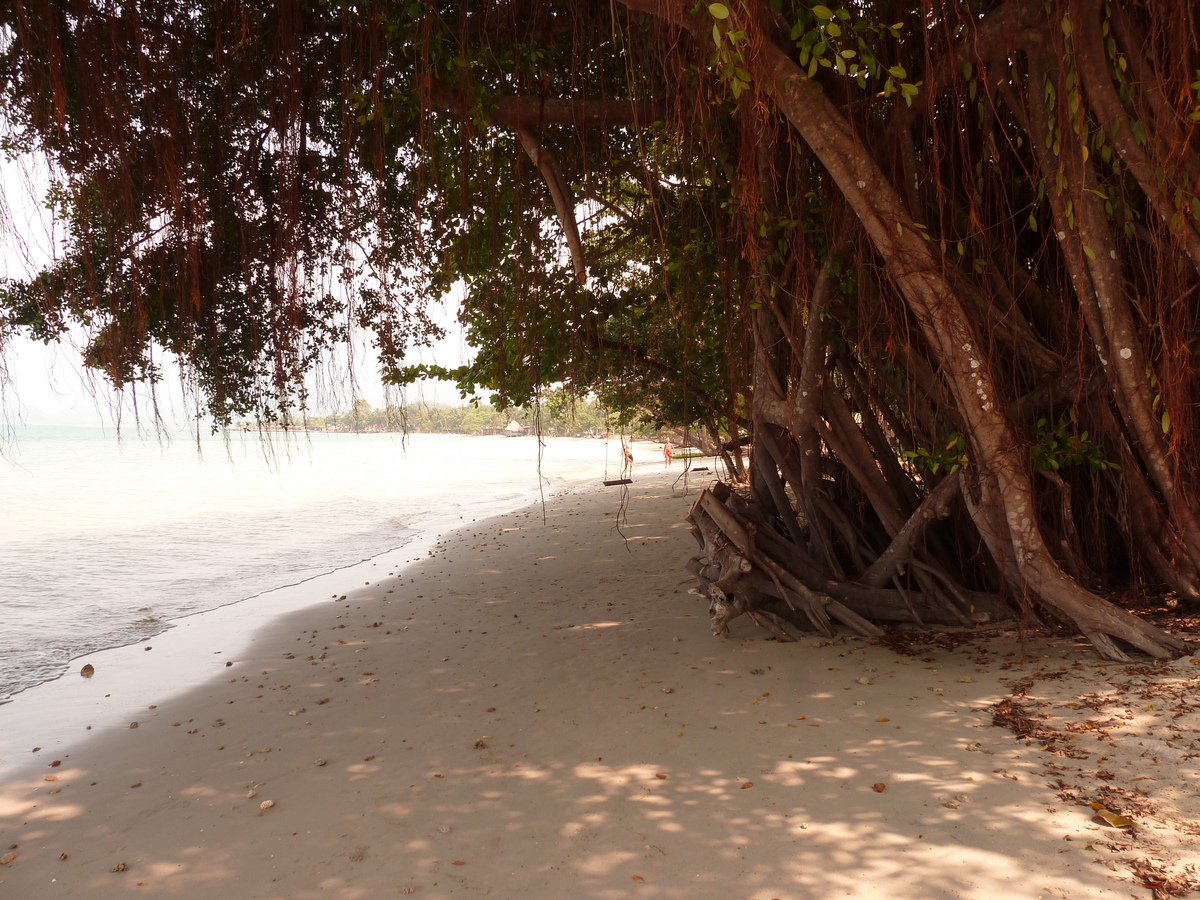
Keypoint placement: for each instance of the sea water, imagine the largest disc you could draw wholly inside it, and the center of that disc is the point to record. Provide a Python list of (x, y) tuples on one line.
[(105, 540)]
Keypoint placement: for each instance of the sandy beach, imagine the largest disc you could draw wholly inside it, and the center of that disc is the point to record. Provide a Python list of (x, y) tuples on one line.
[(537, 709)]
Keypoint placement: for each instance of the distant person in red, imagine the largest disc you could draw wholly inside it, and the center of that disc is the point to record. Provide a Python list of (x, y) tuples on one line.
[(668, 452)]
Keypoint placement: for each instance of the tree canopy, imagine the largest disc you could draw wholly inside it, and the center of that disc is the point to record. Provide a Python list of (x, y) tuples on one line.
[(939, 261)]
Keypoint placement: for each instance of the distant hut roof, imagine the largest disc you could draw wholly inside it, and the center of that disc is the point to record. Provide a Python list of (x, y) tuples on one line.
[(514, 426)]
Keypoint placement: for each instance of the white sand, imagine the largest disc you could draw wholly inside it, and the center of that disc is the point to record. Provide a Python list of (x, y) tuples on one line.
[(540, 711)]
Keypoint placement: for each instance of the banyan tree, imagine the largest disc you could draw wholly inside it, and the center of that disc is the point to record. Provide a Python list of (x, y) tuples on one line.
[(936, 263)]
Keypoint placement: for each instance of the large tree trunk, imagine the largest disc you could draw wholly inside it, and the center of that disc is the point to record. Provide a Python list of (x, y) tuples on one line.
[(930, 287)]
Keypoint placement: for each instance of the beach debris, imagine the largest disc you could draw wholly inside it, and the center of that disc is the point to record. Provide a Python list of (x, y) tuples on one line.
[(133, 724), (480, 745), (49, 778), (444, 829), (747, 784), (119, 867), (409, 890), (460, 862), (266, 804), (866, 680), (322, 762), (659, 775), (639, 879), (62, 855), (8, 859), (57, 762), (88, 671), (668, 690), (251, 794), (879, 787)]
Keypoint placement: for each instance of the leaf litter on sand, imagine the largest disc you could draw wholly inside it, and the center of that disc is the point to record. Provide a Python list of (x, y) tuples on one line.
[(1123, 738)]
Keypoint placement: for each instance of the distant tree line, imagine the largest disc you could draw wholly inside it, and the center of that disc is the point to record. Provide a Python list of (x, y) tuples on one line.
[(557, 415)]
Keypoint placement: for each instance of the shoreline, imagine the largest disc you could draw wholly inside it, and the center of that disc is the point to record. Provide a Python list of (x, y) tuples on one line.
[(540, 711), (63, 710), (426, 524)]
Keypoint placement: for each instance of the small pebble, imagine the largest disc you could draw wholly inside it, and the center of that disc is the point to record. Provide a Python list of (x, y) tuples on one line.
[(119, 867), (251, 794), (266, 804), (88, 671), (8, 859), (444, 829)]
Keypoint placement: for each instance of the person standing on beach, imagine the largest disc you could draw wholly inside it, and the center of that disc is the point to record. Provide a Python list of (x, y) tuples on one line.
[(628, 454), (667, 452)]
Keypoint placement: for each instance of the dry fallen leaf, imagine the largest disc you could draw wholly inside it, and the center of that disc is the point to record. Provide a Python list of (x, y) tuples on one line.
[(8, 859), (879, 787), (883, 719), (1116, 820), (459, 862), (638, 878), (659, 775), (748, 784)]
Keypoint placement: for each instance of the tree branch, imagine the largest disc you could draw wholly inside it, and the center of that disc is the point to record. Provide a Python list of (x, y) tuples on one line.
[(560, 191)]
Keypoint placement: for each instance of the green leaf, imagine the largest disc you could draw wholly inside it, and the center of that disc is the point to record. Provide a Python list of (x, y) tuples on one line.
[(1066, 26), (833, 29), (1089, 252), (718, 10), (1032, 222), (1166, 422), (822, 12), (898, 72)]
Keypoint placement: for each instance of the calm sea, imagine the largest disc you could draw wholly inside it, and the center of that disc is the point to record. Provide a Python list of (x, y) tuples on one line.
[(104, 541)]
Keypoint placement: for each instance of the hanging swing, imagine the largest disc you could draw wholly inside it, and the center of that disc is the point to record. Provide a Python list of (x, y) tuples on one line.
[(627, 464)]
